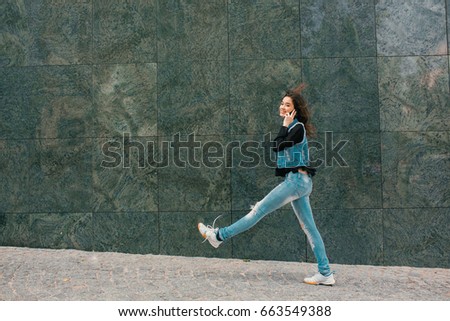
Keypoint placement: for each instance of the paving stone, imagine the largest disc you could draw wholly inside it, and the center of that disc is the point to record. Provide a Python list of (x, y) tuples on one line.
[(43, 274)]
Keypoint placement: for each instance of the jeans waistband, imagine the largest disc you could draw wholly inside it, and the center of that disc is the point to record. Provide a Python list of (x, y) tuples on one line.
[(298, 171)]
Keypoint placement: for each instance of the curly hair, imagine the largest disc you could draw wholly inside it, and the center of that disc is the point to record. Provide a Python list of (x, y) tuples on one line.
[(302, 108)]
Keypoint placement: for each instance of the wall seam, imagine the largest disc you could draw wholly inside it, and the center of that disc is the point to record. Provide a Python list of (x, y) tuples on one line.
[(379, 133), (158, 137), (229, 120)]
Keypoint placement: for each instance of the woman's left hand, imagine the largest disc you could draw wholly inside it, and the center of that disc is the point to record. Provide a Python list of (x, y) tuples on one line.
[(289, 118)]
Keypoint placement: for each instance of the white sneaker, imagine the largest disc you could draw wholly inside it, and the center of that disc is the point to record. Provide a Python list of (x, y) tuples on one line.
[(209, 233), (318, 279)]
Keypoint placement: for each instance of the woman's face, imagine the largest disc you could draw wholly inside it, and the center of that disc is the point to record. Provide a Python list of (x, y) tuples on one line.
[(286, 106)]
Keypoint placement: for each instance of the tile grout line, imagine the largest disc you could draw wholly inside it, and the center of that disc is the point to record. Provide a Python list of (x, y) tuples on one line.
[(447, 8), (158, 137), (305, 250), (380, 132), (229, 118), (94, 106)]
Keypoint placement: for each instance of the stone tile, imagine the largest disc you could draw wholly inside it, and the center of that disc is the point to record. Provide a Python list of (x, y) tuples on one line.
[(192, 30), (125, 98), (47, 230), (193, 98), (64, 117), (415, 169), (14, 229), (343, 94), (188, 183), (337, 29), (448, 24), (46, 81), (123, 178), (350, 236), (124, 32), (256, 89), (41, 117), (277, 236), (61, 231), (348, 170), (417, 237), (46, 102), (13, 124), (46, 32), (180, 236), (125, 232), (411, 27), (266, 30), (14, 176), (60, 176), (414, 93)]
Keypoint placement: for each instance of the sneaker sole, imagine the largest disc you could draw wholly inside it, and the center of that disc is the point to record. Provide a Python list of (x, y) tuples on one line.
[(312, 283)]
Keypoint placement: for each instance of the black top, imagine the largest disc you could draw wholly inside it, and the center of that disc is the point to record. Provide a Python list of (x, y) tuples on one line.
[(286, 138)]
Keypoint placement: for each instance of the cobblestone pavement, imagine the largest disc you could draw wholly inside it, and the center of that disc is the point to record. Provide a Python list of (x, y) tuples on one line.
[(38, 274)]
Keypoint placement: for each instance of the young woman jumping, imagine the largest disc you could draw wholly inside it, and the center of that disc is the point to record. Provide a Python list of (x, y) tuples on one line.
[(291, 148)]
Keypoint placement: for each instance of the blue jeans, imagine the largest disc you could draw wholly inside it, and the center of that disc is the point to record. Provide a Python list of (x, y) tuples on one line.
[(295, 189)]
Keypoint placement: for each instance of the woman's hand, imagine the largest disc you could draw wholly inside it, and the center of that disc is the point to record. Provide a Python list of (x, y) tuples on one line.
[(289, 118)]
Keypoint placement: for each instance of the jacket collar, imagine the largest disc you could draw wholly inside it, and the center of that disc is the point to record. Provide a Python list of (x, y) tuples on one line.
[(294, 122)]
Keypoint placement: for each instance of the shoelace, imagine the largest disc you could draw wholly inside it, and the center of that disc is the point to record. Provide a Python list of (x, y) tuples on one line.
[(212, 227)]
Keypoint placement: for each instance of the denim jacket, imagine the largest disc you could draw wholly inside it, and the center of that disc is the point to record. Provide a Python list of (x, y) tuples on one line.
[(296, 155)]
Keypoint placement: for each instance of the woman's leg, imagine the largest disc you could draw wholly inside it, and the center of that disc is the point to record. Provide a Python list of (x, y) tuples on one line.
[(302, 209), (281, 195)]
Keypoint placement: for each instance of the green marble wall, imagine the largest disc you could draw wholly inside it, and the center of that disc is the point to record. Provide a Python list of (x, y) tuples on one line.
[(77, 75)]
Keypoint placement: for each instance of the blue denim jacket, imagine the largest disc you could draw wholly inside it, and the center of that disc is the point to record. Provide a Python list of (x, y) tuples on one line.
[(296, 155)]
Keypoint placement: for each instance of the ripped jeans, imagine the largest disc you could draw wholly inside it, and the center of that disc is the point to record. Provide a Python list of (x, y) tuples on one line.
[(295, 189)]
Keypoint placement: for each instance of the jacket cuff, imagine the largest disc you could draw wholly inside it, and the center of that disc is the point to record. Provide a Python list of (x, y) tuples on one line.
[(283, 131)]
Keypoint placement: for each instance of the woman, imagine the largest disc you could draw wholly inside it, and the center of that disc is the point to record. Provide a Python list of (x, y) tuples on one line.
[(291, 147)]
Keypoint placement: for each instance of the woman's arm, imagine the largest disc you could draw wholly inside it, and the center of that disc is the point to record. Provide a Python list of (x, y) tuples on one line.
[(287, 138)]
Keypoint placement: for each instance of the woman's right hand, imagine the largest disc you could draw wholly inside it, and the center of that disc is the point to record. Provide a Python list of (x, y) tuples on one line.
[(289, 118)]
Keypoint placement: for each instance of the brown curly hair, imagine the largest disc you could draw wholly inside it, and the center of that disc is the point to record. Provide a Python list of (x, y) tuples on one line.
[(301, 106)]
